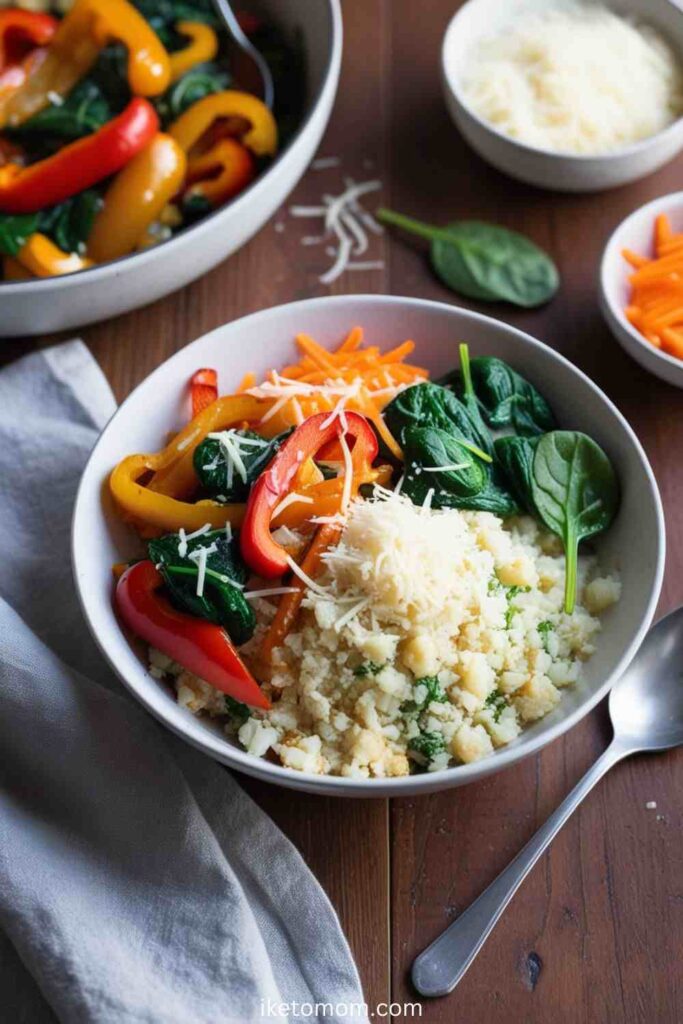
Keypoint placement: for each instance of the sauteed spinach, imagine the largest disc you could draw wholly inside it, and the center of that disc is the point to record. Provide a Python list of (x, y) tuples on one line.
[(561, 477), (222, 601)]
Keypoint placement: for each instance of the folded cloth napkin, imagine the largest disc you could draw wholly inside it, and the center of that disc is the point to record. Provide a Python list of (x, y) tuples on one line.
[(137, 881)]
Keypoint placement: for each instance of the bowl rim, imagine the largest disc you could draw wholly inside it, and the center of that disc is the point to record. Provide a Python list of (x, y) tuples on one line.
[(192, 231), (669, 200), (578, 159), (504, 757)]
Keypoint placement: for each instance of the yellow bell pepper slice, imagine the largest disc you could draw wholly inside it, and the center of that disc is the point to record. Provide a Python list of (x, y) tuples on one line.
[(137, 198), (42, 258), (75, 47), (203, 46), (260, 137)]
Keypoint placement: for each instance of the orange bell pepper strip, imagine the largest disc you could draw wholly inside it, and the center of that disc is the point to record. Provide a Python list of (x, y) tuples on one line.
[(42, 258), (325, 537), (221, 173), (80, 164), (136, 198), (260, 136), (203, 46), (88, 27)]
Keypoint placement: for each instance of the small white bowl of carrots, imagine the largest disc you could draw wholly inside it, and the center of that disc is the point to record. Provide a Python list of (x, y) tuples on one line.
[(641, 286)]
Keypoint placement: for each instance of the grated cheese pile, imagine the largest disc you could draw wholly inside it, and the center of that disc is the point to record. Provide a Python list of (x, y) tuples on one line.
[(431, 637), (574, 78)]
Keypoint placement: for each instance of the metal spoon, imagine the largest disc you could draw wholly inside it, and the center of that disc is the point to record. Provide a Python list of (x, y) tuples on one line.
[(233, 26), (646, 708)]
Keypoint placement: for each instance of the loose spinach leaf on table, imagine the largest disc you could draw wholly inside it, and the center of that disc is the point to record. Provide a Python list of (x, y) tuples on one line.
[(485, 261), (14, 230), (222, 601), (575, 493), (216, 468)]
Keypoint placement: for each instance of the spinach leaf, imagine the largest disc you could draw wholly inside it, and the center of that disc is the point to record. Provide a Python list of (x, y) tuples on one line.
[(485, 261), (472, 486), (430, 405), (14, 230), (508, 400), (238, 711), (515, 457), (470, 399), (83, 111), (202, 80), (164, 13), (215, 467), (435, 460), (575, 493), (69, 223), (222, 601)]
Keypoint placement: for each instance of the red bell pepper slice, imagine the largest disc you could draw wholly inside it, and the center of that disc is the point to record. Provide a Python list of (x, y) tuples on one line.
[(201, 647), (81, 164), (21, 31), (203, 390), (262, 554)]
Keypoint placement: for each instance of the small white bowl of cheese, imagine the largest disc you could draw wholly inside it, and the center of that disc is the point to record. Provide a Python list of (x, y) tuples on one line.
[(570, 95)]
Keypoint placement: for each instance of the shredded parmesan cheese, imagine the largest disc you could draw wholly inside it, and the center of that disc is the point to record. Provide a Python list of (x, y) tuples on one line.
[(573, 77)]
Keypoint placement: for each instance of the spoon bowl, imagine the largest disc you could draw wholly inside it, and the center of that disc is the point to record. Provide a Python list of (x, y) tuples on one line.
[(646, 708), (646, 705)]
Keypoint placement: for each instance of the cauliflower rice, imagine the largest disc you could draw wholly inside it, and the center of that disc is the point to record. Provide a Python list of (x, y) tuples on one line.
[(432, 638)]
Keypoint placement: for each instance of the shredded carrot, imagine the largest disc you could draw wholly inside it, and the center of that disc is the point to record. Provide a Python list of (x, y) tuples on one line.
[(655, 306), (248, 381), (288, 608), (353, 340)]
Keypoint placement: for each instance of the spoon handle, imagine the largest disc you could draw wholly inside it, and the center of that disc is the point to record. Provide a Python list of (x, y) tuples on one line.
[(440, 967)]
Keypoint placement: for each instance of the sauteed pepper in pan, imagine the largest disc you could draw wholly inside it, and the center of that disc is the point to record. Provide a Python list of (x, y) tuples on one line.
[(120, 123)]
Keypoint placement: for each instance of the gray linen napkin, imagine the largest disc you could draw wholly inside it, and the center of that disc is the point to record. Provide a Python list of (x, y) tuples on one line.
[(137, 881)]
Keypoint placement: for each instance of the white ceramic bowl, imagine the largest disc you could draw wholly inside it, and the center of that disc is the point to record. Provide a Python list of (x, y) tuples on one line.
[(58, 303), (634, 544), (636, 233), (544, 168)]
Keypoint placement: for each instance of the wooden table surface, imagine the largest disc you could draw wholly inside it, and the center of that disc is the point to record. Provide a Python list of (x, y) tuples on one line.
[(595, 934)]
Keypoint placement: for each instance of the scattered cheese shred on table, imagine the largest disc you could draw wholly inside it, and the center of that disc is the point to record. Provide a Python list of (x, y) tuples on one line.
[(347, 225)]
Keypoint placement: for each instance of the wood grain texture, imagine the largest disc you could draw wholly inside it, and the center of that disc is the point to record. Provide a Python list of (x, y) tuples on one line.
[(595, 933)]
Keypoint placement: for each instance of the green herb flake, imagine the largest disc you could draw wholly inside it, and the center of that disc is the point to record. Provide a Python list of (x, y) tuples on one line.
[(496, 702), (368, 668), (238, 711), (426, 691), (425, 747)]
